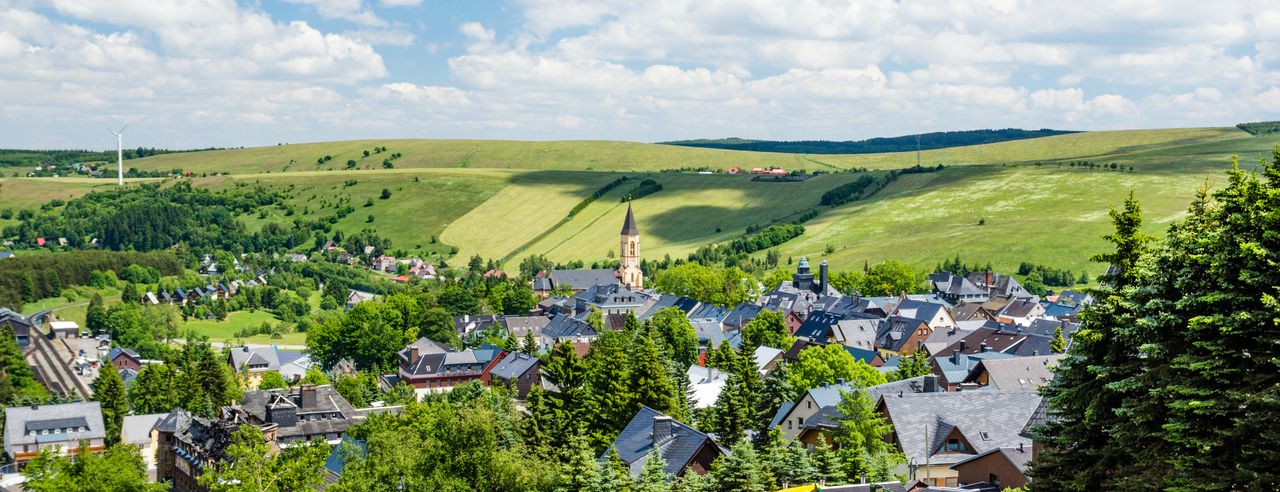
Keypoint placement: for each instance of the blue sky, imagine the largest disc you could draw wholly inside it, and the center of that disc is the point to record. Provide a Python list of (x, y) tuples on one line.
[(196, 73)]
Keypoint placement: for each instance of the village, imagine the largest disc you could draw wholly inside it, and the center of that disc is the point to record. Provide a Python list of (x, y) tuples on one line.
[(961, 420)]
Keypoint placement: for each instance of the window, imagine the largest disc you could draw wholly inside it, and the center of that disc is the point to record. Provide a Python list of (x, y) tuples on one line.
[(808, 404), (993, 479), (789, 425), (801, 420), (955, 445)]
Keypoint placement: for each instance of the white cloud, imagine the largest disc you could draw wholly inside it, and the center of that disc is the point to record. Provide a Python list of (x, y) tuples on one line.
[(350, 10), (476, 31), (401, 3)]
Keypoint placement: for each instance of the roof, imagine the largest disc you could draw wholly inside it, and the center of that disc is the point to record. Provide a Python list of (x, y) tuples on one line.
[(10, 316), (519, 325), (562, 326), (64, 325), (137, 428), (513, 366), (344, 451), (1017, 372), (635, 442), (19, 421), (922, 310), (957, 367), (817, 326), (894, 331), (116, 351), (765, 355), (327, 402), (583, 279), (706, 384), (955, 285), (987, 419), (856, 332), (1019, 457), (255, 356), (629, 224)]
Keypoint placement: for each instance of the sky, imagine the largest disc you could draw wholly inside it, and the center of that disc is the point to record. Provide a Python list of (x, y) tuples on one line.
[(227, 73)]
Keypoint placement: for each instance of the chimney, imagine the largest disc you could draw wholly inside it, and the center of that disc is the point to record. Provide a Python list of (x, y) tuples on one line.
[(822, 276), (840, 381), (930, 383), (955, 357), (661, 430), (990, 280), (245, 348), (1020, 450), (413, 354), (962, 345), (308, 396), (983, 347)]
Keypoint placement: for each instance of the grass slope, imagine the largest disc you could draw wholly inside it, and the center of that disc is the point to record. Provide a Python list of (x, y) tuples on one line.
[(630, 156)]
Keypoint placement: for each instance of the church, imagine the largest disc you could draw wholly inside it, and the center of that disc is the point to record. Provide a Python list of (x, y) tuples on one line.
[(629, 273)]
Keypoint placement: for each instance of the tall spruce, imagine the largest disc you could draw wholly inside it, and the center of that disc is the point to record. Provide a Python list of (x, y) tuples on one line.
[(1080, 452), (108, 391), (650, 384), (608, 401)]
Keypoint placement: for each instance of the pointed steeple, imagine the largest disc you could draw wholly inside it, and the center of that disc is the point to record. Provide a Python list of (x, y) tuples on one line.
[(629, 226)]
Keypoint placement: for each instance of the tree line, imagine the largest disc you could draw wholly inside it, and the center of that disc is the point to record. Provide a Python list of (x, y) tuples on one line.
[(906, 143), (27, 278)]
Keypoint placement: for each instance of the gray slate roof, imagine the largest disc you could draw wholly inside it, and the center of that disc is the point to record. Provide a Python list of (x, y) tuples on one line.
[(562, 326), (583, 279), (19, 421), (513, 366), (137, 428), (987, 419), (635, 442), (253, 356)]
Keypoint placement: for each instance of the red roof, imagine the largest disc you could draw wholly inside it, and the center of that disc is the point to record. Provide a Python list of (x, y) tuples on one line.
[(40, 242), (402, 279)]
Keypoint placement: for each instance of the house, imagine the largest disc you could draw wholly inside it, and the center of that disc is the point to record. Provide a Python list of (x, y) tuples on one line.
[(564, 328), (18, 324), (150, 298), (421, 269), (766, 359), (1000, 468), (344, 452), (295, 257), (356, 297), (1014, 373), (253, 362), (996, 285), (64, 427), (1021, 311), (123, 358), (952, 370), (955, 288), (519, 326), (518, 370), (188, 444), (706, 383), (793, 417), (685, 449), (385, 263), (608, 299), (139, 430), (300, 413), (467, 324), (900, 335), (294, 365), (580, 280), (432, 367), (739, 316), (934, 314), (972, 311), (63, 329), (945, 429), (856, 333)]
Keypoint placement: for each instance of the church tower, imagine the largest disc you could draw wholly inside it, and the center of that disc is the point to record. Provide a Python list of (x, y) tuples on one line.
[(629, 268)]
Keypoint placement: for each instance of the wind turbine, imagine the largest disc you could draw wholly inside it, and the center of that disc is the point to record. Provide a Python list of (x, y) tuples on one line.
[(119, 153)]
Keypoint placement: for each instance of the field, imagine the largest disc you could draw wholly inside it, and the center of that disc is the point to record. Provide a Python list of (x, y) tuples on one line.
[(506, 200), (223, 331)]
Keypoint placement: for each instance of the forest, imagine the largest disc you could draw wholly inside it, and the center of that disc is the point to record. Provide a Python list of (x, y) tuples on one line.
[(33, 158), (905, 143), (1260, 128)]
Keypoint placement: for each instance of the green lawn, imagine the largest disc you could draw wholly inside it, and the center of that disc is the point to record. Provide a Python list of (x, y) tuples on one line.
[(223, 331)]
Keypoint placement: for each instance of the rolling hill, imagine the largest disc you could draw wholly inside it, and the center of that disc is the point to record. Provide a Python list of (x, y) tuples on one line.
[(1041, 200)]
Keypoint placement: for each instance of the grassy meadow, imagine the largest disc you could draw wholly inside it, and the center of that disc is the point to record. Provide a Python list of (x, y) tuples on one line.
[(505, 199)]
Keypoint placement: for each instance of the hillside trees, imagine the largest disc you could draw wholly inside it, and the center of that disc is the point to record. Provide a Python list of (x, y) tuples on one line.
[(18, 382), (120, 467), (108, 391), (1171, 382), (725, 287), (827, 364)]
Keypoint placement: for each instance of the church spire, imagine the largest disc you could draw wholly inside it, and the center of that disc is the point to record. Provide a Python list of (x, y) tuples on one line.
[(629, 225)]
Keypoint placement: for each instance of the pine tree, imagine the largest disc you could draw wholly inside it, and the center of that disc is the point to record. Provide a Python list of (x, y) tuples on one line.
[(613, 475), (95, 318), (828, 466), (861, 436), (653, 476), (909, 367), (608, 399), (632, 325), (530, 344), (738, 471), (650, 384), (1080, 452), (129, 294), (1059, 343), (108, 391), (578, 470), (28, 284), (776, 390)]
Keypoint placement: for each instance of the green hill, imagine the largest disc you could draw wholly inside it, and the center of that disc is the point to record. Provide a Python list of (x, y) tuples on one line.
[(905, 143), (1044, 200)]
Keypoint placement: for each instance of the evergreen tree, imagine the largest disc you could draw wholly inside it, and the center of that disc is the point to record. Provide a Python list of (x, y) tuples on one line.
[(828, 466), (1080, 451), (578, 470), (650, 384), (153, 390), (129, 294), (609, 403), (861, 436), (653, 476), (732, 414), (776, 390), (613, 476), (1059, 343), (632, 324), (910, 367), (108, 391), (529, 344), (738, 471), (29, 292)]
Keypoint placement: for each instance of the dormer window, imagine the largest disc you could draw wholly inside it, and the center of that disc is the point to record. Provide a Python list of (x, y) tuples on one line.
[(955, 445)]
